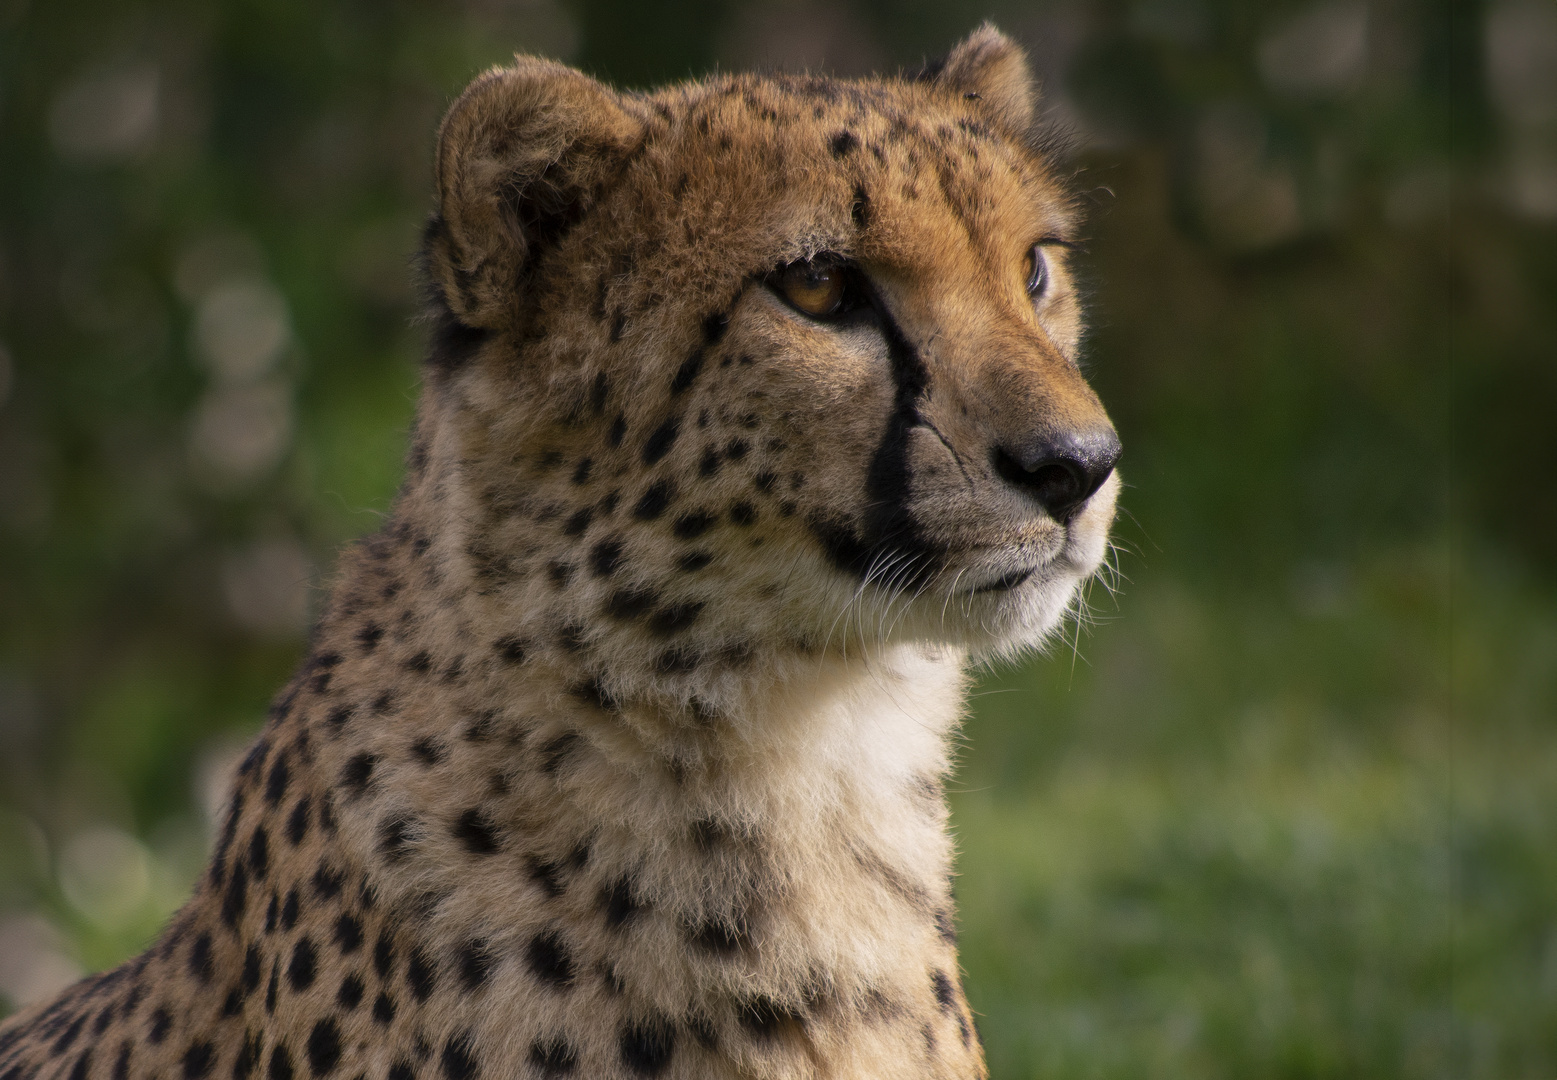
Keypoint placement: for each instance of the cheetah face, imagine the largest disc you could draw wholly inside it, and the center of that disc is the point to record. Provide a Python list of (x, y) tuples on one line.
[(768, 356)]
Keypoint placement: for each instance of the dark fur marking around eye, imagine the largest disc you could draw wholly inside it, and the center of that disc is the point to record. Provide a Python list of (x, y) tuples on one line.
[(674, 619), (693, 561), (843, 144), (553, 1059), (579, 522), (692, 525), (646, 1047), (476, 831), (655, 500), (549, 960), (658, 444), (606, 557), (710, 462)]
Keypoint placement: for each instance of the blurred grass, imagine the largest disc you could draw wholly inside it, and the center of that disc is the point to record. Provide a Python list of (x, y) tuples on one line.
[(1284, 807)]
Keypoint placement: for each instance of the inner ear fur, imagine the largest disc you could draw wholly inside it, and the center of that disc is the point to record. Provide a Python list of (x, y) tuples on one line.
[(522, 155), (991, 68)]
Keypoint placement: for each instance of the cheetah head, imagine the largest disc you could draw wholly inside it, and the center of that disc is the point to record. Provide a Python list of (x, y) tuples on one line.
[(762, 358)]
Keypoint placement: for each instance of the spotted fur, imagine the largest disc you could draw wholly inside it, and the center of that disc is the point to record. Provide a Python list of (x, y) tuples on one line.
[(619, 751)]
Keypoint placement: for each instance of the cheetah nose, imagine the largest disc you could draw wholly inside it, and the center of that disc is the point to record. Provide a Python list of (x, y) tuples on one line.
[(1062, 470)]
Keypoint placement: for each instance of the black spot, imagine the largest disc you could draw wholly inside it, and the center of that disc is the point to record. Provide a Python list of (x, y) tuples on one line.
[(358, 771), (549, 960), (324, 1047), (289, 910), (276, 782), (337, 718), (687, 373), (714, 327), (709, 463), (788, 509), (743, 513), (606, 557), (618, 430), (420, 663), (421, 975), (161, 1021), (945, 996), (476, 831), (451, 345), (659, 442), (720, 937), (200, 959), (763, 1017), (349, 996), (764, 482), (369, 636), (702, 1029), (428, 750), (554, 753), (553, 1058), (674, 619), (843, 144), (198, 1060), (259, 853), (384, 954), (251, 970), (945, 926), (619, 903), (631, 603), (236, 896), (459, 1060), (304, 965), (348, 933), (280, 1067), (254, 759), (475, 963), (654, 501), (677, 661), (690, 526), (559, 572), (384, 1009), (65, 1040), (402, 1070), (383, 703), (750, 420), (694, 561), (736, 449), (100, 1025), (579, 522), (646, 1047), (328, 881), (546, 875), (242, 1066)]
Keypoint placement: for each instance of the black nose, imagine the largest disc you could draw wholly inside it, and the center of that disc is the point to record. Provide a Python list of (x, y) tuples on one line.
[(1061, 471)]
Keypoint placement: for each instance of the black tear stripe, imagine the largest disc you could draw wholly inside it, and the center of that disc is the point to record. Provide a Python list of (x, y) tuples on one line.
[(887, 532)]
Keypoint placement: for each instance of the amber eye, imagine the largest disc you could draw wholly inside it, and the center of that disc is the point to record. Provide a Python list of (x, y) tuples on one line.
[(814, 289), (1037, 269)]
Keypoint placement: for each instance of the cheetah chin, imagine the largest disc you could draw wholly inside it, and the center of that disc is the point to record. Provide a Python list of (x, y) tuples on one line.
[(752, 412)]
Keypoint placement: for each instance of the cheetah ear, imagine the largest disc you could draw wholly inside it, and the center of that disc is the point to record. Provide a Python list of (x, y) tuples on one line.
[(993, 69), (522, 155)]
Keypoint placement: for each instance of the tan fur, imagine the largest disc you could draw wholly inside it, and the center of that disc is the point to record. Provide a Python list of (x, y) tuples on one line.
[(619, 751)]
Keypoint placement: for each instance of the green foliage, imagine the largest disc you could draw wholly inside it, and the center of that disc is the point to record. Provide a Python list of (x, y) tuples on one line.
[(1279, 808)]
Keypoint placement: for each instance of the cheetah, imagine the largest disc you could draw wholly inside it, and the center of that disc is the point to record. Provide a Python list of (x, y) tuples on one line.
[(751, 416)]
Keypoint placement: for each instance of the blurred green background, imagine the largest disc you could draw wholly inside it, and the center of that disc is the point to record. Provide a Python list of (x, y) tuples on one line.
[(1284, 806)]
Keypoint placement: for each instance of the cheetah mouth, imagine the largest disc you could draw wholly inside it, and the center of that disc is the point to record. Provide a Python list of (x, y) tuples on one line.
[(1004, 583)]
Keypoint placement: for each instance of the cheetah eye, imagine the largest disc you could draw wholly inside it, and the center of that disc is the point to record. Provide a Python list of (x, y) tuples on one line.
[(816, 288), (1037, 268)]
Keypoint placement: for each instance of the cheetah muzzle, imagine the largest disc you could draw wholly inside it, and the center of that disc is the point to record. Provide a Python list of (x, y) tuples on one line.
[(751, 414)]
